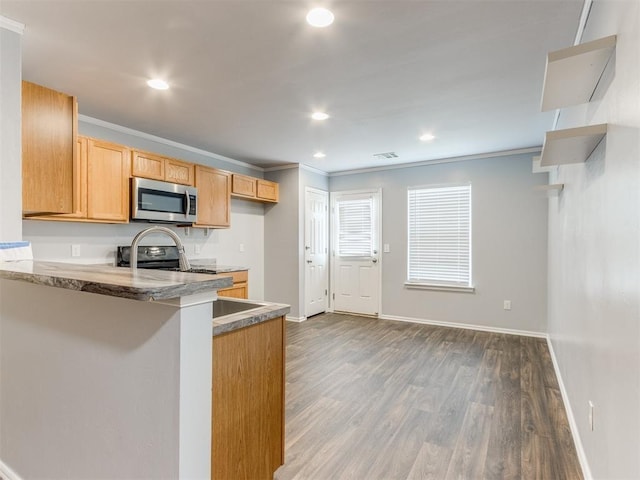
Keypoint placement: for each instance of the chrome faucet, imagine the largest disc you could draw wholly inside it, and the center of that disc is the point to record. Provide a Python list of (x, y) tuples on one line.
[(182, 258)]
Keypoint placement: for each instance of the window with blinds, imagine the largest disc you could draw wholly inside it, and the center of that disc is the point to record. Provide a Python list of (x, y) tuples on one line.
[(355, 227), (439, 235)]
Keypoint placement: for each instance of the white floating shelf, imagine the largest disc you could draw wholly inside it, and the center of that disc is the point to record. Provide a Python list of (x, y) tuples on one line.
[(572, 145), (537, 168), (572, 74)]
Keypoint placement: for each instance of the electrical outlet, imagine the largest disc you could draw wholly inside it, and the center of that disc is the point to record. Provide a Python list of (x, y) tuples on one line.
[(242, 247), (386, 248), (196, 249), (591, 408), (75, 250), (507, 305)]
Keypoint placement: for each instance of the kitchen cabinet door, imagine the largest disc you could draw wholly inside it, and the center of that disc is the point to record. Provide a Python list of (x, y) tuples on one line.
[(243, 186), (49, 159), (176, 171), (268, 191), (157, 167), (108, 173), (214, 197), (147, 165)]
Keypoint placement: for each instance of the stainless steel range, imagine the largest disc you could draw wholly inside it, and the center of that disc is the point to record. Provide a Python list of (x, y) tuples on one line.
[(162, 257)]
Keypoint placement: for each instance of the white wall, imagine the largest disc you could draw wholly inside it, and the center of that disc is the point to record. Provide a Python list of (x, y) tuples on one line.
[(10, 134), (98, 242), (282, 242), (284, 237), (594, 258), (103, 387), (509, 241)]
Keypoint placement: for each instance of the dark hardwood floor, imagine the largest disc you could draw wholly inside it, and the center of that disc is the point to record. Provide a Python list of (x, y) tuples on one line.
[(374, 399)]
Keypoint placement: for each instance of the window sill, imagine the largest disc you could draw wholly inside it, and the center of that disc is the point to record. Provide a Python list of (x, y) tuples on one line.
[(439, 288)]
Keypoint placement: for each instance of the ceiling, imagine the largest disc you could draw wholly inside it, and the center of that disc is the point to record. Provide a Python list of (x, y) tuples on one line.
[(246, 75)]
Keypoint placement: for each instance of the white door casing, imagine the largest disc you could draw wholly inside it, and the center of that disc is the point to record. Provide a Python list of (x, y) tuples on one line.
[(355, 251), (316, 252)]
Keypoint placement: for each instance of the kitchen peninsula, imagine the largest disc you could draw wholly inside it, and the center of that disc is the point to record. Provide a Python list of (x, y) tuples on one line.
[(117, 379)]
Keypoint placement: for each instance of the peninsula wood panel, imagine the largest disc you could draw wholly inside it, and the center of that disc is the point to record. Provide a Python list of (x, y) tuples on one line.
[(248, 402), (214, 197), (108, 173), (49, 159)]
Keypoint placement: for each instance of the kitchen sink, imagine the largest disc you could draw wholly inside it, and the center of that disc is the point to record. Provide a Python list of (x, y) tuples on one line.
[(224, 306)]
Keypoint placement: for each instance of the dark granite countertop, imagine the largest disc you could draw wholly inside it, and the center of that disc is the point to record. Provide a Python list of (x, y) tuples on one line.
[(144, 285)]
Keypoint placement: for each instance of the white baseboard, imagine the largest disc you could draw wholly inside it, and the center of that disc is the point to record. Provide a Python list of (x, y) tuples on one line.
[(289, 318), (6, 473), (582, 456), (467, 326)]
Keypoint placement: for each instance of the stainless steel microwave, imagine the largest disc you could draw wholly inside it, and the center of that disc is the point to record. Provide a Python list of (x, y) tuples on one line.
[(162, 202)]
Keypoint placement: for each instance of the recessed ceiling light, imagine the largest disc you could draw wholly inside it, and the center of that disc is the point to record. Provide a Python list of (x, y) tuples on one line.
[(319, 17), (319, 116), (158, 84), (319, 155), (427, 137)]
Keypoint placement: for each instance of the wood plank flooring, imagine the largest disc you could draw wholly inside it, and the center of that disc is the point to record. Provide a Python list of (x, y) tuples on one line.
[(374, 399)]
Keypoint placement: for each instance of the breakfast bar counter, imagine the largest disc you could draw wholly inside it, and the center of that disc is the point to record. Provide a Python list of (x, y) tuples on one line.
[(144, 285), (109, 372)]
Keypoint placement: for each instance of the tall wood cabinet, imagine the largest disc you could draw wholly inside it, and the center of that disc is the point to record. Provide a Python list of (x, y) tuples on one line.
[(49, 161), (248, 402), (214, 197)]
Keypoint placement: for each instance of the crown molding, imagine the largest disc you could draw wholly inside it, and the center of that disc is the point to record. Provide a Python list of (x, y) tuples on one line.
[(479, 156), (12, 25), (164, 141)]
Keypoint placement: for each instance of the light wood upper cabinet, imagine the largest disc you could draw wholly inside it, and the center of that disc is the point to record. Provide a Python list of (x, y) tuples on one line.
[(179, 172), (243, 186), (214, 197), (253, 188), (49, 159), (268, 191), (108, 173), (157, 167)]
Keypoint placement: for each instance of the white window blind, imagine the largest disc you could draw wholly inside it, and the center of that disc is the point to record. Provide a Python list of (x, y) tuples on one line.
[(440, 235), (355, 227)]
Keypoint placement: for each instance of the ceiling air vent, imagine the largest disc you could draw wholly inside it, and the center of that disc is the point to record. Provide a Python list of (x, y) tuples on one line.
[(385, 156)]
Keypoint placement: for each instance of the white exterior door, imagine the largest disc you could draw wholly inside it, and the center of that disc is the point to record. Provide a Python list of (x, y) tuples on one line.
[(316, 252), (355, 251)]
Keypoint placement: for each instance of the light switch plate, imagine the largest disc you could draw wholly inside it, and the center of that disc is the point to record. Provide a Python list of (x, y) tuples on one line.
[(386, 248)]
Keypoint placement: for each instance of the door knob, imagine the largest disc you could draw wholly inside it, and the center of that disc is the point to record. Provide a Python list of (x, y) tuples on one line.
[(309, 261), (374, 260)]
